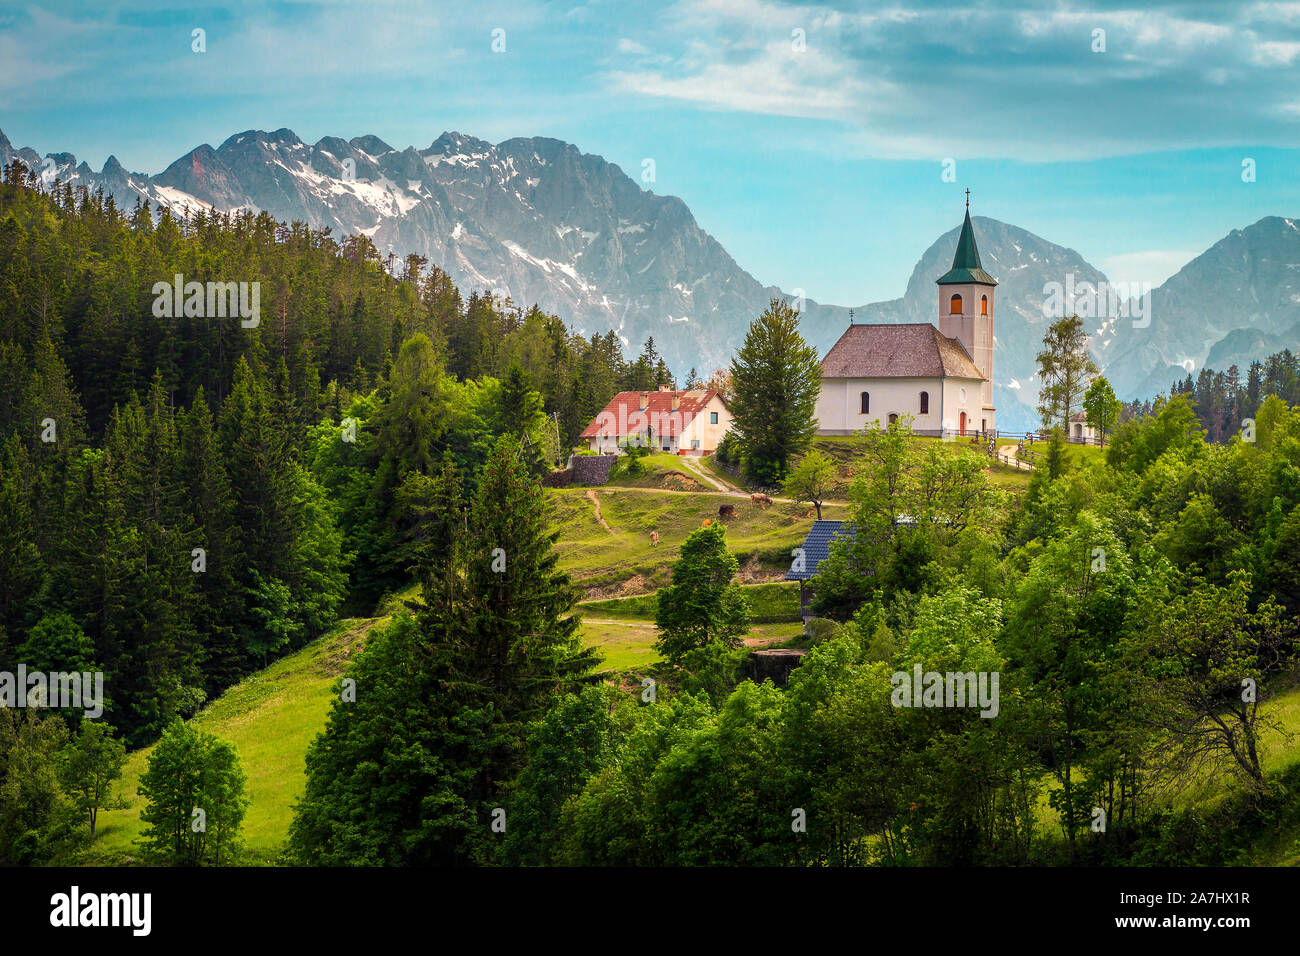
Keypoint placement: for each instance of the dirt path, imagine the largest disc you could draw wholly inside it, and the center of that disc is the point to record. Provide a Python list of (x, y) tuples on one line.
[(753, 641), (708, 491), (595, 503), (697, 468), (1007, 455)]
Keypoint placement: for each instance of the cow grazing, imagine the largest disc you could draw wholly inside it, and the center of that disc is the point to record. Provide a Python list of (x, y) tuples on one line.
[(761, 500), (706, 522), (654, 539), (726, 511)]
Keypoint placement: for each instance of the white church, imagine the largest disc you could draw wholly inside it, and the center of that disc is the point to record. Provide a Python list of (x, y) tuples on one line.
[(942, 377)]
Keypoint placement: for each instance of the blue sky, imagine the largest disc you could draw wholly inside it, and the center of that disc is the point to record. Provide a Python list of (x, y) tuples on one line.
[(808, 138)]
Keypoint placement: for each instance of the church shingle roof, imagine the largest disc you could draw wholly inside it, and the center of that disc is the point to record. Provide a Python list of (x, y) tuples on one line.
[(915, 350)]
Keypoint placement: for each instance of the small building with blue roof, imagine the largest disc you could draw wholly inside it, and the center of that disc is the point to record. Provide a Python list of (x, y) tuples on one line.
[(809, 556)]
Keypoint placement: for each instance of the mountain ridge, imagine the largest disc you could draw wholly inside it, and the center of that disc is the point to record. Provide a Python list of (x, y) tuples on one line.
[(540, 221)]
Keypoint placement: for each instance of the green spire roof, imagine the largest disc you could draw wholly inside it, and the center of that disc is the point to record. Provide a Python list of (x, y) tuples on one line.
[(966, 263)]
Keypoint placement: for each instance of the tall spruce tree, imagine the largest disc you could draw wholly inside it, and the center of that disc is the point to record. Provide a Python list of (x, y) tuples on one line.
[(211, 503), (411, 766), (776, 380)]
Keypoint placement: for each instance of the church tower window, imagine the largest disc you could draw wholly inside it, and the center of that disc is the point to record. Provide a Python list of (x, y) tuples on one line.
[(954, 305), (984, 305)]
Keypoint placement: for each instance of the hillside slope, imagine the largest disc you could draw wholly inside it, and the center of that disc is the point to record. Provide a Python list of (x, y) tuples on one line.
[(270, 717)]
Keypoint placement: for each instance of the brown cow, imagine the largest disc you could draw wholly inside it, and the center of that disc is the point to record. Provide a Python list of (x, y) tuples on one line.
[(761, 500), (726, 511), (654, 539)]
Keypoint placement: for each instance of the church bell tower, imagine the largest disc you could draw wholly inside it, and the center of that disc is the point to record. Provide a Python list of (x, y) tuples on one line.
[(966, 309)]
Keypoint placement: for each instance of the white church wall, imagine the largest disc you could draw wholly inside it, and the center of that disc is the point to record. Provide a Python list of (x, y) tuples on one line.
[(965, 395), (839, 405)]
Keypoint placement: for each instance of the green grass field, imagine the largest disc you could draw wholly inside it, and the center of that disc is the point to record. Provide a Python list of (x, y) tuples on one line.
[(627, 644), (663, 471), (774, 603), (621, 560)]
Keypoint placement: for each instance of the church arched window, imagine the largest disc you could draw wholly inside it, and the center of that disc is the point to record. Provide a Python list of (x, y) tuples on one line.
[(893, 417), (954, 305), (984, 305), (925, 403), (865, 399)]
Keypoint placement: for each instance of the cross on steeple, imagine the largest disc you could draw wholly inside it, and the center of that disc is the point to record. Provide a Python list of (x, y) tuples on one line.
[(850, 316), (967, 197)]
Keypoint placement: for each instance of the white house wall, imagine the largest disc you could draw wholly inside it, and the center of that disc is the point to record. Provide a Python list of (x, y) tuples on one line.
[(701, 429)]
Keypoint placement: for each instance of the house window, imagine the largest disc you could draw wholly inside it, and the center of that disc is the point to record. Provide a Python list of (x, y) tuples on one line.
[(695, 444), (984, 305), (713, 418), (866, 403), (925, 403), (954, 305)]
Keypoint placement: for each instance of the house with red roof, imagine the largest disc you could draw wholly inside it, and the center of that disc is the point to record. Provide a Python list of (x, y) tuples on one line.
[(691, 422)]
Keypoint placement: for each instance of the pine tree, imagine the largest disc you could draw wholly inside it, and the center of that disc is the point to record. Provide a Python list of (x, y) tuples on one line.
[(22, 568), (211, 505), (409, 770), (776, 380)]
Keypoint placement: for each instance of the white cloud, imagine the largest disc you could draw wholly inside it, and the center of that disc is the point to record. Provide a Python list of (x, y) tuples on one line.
[(982, 81), (1276, 53), (777, 81)]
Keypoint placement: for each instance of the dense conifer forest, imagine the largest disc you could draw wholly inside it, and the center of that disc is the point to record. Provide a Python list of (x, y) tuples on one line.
[(180, 498), (1222, 400)]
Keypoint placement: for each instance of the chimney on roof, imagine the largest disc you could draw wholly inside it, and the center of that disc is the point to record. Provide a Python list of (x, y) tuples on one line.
[(645, 400), (665, 388), (677, 400)]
